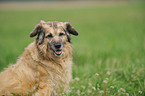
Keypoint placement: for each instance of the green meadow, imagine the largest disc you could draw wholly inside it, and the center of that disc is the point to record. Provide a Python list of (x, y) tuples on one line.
[(109, 53)]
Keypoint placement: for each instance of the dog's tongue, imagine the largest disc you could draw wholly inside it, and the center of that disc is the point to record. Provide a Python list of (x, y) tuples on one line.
[(58, 52)]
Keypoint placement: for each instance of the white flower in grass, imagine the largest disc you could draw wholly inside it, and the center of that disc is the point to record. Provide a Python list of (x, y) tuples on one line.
[(90, 84), (122, 89), (89, 91), (105, 81), (108, 73), (140, 92), (83, 87), (127, 94), (94, 88), (82, 93), (97, 74), (78, 92), (62, 93), (101, 91), (98, 89), (98, 85), (118, 91), (72, 87), (34, 88), (77, 79), (112, 87), (69, 90), (122, 93)]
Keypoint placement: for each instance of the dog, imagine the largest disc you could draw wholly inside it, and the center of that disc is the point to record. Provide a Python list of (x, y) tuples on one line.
[(45, 67)]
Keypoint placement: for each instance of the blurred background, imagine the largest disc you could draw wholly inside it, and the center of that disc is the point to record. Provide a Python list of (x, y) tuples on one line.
[(111, 37)]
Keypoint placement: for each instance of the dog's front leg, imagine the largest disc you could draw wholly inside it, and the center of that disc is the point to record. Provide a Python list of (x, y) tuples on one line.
[(43, 92), (43, 89)]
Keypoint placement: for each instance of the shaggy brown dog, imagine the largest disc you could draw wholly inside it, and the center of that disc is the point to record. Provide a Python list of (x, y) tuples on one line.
[(44, 68)]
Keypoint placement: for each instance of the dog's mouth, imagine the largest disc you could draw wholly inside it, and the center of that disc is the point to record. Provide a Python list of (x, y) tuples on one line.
[(58, 52), (56, 48)]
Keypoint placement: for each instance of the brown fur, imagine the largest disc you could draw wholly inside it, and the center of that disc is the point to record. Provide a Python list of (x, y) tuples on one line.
[(38, 71)]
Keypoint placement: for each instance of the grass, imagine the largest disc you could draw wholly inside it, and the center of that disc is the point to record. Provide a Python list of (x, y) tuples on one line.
[(111, 43)]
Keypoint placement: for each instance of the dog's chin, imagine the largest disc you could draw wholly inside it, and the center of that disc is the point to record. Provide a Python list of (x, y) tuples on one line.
[(58, 52)]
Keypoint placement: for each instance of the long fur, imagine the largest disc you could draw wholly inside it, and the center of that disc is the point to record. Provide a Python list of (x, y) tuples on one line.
[(33, 74)]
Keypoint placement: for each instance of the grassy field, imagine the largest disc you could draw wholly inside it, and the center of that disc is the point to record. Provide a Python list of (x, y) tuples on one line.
[(109, 53)]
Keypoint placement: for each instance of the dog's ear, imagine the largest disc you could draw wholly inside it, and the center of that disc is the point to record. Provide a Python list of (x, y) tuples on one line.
[(71, 29), (38, 30)]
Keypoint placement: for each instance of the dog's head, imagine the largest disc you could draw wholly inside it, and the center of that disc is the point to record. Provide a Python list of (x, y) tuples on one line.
[(53, 36)]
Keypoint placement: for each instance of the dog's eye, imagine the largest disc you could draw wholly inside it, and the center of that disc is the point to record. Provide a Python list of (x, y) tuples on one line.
[(49, 35), (61, 34)]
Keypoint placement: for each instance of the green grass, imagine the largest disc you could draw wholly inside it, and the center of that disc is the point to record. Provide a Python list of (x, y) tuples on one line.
[(111, 39)]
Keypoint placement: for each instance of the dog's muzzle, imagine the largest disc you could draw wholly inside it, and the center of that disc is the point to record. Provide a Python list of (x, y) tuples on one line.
[(56, 48)]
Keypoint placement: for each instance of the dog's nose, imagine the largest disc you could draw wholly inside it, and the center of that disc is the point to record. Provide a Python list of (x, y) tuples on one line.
[(57, 45)]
